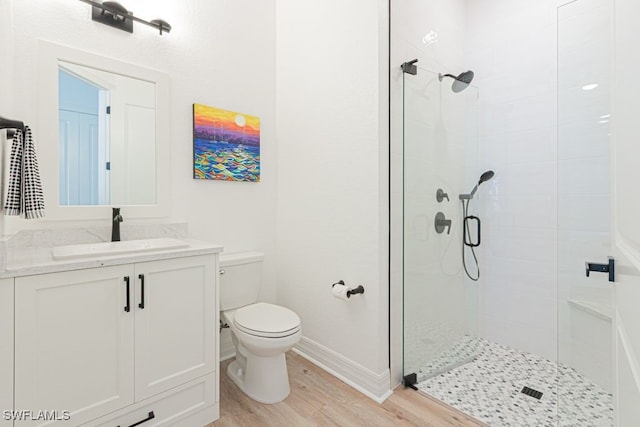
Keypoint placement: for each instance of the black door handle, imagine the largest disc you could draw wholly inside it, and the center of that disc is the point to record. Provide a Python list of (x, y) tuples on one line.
[(149, 418), (610, 268), (141, 305), (127, 307)]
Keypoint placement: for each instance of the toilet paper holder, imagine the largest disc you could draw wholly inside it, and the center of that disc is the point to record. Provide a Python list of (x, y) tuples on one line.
[(357, 290)]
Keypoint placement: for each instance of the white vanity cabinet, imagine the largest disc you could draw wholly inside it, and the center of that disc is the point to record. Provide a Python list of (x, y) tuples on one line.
[(118, 343), (174, 332), (6, 351)]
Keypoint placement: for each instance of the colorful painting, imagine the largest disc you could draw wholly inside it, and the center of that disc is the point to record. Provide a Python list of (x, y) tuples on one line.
[(226, 145)]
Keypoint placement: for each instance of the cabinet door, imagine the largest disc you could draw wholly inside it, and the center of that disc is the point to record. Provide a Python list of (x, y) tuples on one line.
[(6, 351), (174, 332), (73, 344)]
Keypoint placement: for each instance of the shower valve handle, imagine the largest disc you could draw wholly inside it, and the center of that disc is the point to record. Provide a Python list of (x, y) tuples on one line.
[(441, 222), (441, 195)]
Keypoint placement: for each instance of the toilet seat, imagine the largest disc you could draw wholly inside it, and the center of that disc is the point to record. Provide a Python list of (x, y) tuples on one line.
[(266, 320)]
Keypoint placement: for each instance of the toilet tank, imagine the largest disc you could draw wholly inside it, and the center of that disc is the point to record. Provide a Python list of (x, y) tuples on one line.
[(240, 279)]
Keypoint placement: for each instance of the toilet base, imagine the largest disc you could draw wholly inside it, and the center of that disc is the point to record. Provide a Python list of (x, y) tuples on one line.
[(264, 379)]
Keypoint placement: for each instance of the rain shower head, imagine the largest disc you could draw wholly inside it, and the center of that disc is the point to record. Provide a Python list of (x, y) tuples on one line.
[(483, 178), (460, 82)]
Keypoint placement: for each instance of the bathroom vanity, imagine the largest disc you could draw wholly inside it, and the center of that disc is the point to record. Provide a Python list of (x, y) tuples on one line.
[(111, 339)]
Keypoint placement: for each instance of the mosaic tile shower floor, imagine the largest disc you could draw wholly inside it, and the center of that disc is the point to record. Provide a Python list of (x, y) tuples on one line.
[(489, 389)]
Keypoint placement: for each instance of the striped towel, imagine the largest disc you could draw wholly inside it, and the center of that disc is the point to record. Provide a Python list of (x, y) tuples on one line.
[(24, 195)]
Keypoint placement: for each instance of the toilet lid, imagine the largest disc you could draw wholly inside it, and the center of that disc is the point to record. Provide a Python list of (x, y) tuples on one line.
[(266, 320)]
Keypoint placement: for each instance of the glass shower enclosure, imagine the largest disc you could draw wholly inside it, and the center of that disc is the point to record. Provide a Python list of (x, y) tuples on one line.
[(568, 376), (440, 162)]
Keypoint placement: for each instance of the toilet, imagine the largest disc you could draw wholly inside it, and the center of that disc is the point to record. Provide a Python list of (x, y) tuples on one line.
[(261, 332)]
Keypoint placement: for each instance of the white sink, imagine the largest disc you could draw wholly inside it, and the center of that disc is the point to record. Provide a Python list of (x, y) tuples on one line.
[(115, 248)]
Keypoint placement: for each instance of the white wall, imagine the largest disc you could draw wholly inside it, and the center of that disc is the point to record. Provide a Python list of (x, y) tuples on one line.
[(219, 53), (511, 45), (332, 193)]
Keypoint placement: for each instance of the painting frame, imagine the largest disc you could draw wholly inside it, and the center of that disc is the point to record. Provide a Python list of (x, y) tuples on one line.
[(226, 145)]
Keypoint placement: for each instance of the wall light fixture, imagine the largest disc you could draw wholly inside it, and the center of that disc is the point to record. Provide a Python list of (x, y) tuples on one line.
[(115, 15)]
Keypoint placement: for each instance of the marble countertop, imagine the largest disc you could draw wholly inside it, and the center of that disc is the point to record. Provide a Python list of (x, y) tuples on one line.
[(29, 261)]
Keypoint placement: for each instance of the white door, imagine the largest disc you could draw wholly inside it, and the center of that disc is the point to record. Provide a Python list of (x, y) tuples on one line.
[(139, 143), (132, 149), (78, 162), (626, 211), (174, 323), (73, 343), (6, 350)]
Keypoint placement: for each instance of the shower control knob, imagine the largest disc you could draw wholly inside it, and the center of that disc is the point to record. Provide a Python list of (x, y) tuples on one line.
[(441, 195), (441, 222)]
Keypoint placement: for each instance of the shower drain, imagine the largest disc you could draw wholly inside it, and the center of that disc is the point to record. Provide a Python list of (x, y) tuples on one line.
[(531, 392)]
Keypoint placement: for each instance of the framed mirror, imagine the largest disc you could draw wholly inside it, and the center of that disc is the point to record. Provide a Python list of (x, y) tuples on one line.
[(106, 138), (111, 147)]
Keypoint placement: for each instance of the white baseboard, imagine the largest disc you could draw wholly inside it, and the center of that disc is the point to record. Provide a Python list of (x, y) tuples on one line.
[(375, 386)]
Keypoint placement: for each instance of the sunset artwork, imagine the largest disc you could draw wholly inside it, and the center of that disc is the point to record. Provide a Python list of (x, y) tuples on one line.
[(226, 145)]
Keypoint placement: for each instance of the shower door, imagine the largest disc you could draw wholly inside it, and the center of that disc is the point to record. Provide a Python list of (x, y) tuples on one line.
[(440, 139)]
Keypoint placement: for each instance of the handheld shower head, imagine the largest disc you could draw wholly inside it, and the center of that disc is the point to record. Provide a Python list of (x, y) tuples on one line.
[(486, 177), (483, 178)]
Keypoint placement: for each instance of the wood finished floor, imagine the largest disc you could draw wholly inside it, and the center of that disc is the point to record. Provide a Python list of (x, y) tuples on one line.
[(319, 399)]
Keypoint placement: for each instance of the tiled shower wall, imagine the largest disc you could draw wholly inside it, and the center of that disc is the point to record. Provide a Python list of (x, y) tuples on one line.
[(585, 310), (512, 47), (547, 139)]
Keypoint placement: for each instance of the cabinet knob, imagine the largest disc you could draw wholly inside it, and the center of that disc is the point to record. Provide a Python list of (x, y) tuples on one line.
[(221, 272)]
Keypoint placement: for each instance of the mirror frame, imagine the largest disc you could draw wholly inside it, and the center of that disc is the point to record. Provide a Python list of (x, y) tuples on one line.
[(48, 56)]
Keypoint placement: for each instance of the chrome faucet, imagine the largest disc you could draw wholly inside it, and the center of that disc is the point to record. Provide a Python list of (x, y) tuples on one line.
[(115, 225)]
